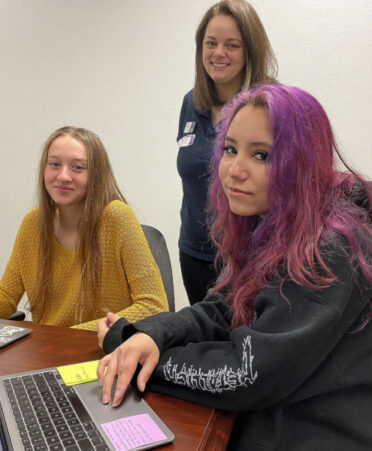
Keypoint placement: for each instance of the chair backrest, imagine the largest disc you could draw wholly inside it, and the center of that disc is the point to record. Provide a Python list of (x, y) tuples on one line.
[(18, 316), (159, 250)]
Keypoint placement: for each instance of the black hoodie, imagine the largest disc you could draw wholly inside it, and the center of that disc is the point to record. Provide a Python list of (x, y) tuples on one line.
[(300, 376)]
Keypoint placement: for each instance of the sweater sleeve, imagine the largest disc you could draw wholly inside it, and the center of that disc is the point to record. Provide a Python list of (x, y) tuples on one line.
[(11, 283), (140, 270), (204, 361)]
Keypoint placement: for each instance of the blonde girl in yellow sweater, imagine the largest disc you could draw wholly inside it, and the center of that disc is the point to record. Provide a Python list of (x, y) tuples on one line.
[(81, 252)]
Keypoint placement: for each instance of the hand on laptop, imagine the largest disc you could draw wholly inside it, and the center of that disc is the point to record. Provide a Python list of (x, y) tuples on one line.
[(104, 325), (140, 348)]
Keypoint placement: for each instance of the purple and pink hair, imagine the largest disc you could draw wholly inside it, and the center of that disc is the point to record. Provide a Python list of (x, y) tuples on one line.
[(310, 202)]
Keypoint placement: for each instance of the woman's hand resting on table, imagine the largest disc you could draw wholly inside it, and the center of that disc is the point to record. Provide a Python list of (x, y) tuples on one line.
[(104, 325), (139, 348)]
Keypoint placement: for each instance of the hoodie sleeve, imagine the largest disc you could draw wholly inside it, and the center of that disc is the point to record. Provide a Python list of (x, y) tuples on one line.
[(205, 361), (205, 321)]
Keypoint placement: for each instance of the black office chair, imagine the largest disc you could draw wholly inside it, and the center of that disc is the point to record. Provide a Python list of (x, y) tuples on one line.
[(18, 316), (159, 250)]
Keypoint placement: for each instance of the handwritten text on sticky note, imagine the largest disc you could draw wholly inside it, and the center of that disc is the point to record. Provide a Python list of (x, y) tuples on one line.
[(131, 432), (79, 373)]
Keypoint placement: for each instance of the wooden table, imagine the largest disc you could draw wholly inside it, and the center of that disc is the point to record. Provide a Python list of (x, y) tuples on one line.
[(195, 427)]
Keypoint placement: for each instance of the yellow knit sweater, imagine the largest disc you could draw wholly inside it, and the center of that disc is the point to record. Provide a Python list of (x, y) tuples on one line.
[(131, 282)]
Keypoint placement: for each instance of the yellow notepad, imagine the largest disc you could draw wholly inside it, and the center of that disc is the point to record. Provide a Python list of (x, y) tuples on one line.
[(79, 373)]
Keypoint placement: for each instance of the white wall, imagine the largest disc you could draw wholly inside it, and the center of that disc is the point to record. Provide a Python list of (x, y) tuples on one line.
[(121, 68)]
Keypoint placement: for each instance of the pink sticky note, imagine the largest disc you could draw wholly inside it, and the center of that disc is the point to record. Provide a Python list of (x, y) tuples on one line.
[(131, 432)]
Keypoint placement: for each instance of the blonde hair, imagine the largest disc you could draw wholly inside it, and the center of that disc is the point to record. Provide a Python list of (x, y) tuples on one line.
[(260, 61), (102, 188)]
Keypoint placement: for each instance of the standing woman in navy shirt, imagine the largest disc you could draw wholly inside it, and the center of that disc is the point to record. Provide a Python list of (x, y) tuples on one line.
[(232, 53)]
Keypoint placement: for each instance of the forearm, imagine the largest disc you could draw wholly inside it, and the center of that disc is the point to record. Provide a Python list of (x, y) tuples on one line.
[(141, 308), (206, 321), (251, 370)]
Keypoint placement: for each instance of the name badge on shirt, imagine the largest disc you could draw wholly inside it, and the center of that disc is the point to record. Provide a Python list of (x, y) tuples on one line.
[(186, 141), (189, 127)]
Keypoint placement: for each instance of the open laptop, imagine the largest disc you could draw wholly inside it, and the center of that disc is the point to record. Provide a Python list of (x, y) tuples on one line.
[(39, 412)]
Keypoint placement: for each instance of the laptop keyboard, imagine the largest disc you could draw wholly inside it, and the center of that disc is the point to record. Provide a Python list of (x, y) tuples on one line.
[(50, 416)]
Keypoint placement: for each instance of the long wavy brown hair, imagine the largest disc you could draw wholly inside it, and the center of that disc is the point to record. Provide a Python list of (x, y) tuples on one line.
[(102, 188)]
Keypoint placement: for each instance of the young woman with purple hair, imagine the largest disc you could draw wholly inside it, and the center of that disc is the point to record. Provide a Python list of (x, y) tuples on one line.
[(285, 338)]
